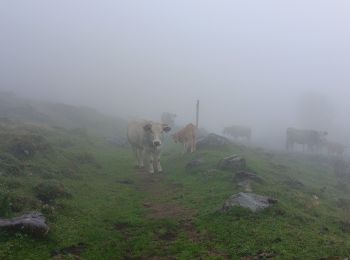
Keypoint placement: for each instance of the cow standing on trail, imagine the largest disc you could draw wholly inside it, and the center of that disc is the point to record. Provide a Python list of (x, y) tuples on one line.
[(237, 131), (187, 136), (311, 138), (145, 138)]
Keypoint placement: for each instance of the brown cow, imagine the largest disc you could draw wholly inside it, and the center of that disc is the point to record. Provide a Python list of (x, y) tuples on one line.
[(334, 148), (186, 136)]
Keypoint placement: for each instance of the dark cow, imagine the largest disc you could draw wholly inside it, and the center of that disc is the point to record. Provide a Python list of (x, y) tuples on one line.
[(237, 131), (312, 139)]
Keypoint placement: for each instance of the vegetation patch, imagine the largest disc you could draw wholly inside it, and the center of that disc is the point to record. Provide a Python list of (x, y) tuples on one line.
[(49, 191)]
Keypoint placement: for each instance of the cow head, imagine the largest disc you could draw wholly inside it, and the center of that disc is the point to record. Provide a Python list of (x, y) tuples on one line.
[(155, 132)]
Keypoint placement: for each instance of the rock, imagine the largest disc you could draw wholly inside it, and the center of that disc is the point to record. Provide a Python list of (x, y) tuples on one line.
[(293, 183), (126, 182), (212, 141), (232, 163), (245, 178), (74, 250), (32, 224), (245, 175), (194, 163), (250, 201)]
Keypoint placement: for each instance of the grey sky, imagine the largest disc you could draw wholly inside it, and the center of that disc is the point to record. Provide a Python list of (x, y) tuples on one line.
[(247, 61)]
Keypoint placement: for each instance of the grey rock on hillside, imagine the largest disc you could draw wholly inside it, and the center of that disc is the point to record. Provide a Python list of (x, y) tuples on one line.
[(32, 224), (212, 141), (232, 163), (250, 201)]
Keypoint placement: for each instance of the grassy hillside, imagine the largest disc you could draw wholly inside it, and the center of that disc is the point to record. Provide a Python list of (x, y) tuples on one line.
[(60, 115), (99, 206)]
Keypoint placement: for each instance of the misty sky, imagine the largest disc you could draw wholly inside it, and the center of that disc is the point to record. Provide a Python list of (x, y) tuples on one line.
[(247, 61)]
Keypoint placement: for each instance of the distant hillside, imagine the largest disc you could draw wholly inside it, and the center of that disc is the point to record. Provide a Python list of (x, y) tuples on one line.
[(60, 115)]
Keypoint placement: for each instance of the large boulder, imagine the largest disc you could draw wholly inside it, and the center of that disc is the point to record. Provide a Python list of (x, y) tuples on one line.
[(232, 163), (250, 201), (32, 224), (212, 141)]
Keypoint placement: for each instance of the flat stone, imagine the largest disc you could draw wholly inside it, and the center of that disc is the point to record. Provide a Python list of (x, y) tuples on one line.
[(250, 201), (232, 163), (32, 224)]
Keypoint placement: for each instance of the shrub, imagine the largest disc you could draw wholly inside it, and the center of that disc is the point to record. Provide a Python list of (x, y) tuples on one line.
[(49, 191)]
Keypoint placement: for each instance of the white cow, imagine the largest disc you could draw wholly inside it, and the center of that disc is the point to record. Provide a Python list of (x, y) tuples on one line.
[(146, 138)]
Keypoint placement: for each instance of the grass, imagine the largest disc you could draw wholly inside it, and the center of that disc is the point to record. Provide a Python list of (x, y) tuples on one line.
[(117, 212)]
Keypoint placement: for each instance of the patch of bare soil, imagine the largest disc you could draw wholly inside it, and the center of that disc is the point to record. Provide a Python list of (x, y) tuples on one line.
[(161, 198)]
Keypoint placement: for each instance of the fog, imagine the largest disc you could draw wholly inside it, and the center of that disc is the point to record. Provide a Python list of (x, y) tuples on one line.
[(248, 62)]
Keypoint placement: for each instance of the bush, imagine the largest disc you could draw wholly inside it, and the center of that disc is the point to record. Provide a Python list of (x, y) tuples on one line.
[(86, 158), (10, 166), (19, 203), (26, 146), (49, 191)]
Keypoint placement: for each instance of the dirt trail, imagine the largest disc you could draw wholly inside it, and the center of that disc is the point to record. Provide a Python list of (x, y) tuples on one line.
[(161, 198), (160, 202)]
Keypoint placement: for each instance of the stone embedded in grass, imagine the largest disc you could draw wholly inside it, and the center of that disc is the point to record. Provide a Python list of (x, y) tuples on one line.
[(74, 250), (250, 201), (232, 163), (32, 224), (244, 179), (294, 183), (49, 191), (245, 175), (194, 163)]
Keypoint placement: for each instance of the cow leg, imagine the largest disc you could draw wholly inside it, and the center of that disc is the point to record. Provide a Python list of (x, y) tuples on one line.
[(149, 160), (136, 153), (185, 148), (159, 166), (140, 154)]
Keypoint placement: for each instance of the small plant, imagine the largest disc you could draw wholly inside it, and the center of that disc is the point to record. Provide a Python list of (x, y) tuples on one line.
[(49, 191)]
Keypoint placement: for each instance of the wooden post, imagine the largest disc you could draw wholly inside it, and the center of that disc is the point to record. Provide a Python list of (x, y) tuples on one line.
[(197, 113), (197, 121)]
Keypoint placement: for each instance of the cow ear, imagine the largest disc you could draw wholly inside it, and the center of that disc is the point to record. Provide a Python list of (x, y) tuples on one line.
[(147, 127), (166, 128)]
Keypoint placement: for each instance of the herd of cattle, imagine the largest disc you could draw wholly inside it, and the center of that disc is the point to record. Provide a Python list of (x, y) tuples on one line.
[(145, 138)]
